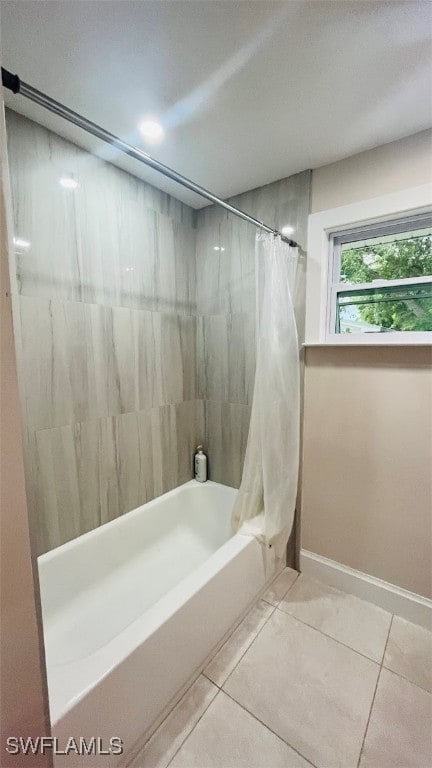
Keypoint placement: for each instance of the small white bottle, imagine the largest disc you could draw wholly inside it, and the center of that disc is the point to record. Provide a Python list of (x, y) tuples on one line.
[(200, 465)]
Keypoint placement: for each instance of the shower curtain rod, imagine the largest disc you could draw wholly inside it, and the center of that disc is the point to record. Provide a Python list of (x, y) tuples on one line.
[(16, 85)]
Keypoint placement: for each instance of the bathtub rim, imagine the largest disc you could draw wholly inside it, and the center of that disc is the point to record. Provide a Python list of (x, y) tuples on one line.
[(52, 554)]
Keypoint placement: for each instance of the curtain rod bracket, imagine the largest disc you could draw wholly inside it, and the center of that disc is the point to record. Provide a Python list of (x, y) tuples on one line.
[(10, 81), (287, 240)]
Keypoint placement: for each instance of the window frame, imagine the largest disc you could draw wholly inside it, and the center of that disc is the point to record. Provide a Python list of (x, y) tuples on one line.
[(393, 225), (408, 201)]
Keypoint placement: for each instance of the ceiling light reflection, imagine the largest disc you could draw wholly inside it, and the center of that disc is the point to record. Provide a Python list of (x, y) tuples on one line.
[(287, 229), (21, 243), (152, 131), (68, 182)]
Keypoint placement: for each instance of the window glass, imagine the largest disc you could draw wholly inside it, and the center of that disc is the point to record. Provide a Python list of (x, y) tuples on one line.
[(389, 257), (385, 309)]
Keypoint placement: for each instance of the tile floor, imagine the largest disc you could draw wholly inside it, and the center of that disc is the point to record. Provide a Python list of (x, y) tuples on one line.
[(311, 677)]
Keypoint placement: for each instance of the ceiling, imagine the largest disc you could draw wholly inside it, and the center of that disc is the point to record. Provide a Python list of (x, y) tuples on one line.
[(248, 92)]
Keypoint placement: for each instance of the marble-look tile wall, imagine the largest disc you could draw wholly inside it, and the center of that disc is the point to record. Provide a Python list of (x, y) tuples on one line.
[(225, 301), (135, 337), (106, 335)]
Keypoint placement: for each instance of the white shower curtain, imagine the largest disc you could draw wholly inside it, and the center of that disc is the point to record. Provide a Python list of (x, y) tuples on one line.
[(265, 503)]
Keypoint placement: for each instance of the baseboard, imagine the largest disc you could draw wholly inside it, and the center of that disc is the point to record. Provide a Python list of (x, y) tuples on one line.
[(400, 601)]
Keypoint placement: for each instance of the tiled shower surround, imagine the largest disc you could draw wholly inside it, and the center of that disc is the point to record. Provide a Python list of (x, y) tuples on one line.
[(135, 337), (226, 312)]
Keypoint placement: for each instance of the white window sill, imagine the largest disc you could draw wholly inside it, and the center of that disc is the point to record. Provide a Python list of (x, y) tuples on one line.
[(368, 343)]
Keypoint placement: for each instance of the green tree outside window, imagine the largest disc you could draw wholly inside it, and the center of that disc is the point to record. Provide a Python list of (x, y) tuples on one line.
[(397, 259)]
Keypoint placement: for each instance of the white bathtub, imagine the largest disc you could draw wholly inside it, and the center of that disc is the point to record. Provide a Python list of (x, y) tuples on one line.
[(133, 609)]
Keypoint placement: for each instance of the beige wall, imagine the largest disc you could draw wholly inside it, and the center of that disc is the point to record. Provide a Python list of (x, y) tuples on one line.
[(367, 496), (389, 168), (24, 708), (366, 484)]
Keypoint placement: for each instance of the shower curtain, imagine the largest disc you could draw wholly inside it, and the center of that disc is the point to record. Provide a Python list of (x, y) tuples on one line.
[(265, 503)]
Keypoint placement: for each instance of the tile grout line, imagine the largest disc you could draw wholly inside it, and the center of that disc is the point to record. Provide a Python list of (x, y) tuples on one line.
[(386, 642), (220, 690), (398, 674), (246, 649), (219, 687), (407, 679), (285, 593), (267, 727), (374, 695), (254, 638), (160, 726), (369, 717), (274, 607), (212, 681), (195, 725), (330, 637), (381, 663)]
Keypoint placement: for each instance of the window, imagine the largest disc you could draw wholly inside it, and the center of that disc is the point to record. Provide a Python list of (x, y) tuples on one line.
[(381, 280)]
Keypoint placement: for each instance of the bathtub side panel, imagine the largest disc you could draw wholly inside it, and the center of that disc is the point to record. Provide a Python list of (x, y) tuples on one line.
[(132, 696)]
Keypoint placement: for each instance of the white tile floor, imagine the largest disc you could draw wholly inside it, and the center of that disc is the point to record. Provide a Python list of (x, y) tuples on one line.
[(312, 676)]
